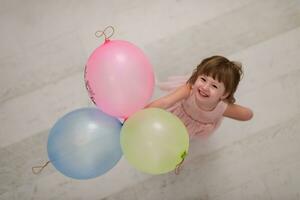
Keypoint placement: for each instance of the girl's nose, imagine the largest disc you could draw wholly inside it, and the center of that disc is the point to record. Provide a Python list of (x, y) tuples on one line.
[(205, 86)]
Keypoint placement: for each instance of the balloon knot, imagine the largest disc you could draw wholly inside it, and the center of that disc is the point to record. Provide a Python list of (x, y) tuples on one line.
[(178, 166), (183, 155)]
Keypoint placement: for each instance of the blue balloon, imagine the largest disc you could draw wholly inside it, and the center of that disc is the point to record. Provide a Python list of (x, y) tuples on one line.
[(85, 143)]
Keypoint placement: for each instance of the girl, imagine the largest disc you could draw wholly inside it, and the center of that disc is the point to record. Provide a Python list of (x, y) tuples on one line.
[(207, 96)]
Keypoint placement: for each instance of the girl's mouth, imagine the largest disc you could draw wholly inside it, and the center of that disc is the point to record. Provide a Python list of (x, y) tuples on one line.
[(203, 94)]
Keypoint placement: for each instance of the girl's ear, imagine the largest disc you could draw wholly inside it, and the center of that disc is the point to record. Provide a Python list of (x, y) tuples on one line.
[(224, 96)]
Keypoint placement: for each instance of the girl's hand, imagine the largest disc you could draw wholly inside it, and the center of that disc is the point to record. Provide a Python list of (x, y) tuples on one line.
[(167, 101)]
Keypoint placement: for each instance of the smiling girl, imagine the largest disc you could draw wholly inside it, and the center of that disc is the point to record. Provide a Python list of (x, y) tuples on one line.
[(207, 96)]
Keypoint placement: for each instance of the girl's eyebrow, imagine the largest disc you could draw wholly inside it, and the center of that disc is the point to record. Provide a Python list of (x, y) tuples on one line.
[(215, 81)]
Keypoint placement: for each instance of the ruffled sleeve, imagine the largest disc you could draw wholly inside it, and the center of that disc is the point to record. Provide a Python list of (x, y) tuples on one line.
[(172, 83)]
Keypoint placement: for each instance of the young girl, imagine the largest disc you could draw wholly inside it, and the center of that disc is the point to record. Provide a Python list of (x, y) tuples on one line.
[(206, 97)]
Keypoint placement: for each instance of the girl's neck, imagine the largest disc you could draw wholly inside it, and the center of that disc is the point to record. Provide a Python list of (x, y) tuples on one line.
[(206, 106)]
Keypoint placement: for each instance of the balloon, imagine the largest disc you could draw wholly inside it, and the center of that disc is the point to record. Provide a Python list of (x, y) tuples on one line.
[(119, 78), (85, 143), (154, 141)]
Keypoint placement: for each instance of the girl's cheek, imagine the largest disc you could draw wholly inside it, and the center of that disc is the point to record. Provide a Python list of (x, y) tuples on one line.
[(195, 86), (198, 83)]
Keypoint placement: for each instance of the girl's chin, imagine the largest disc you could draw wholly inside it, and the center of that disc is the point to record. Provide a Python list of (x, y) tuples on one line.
[(201, 99)]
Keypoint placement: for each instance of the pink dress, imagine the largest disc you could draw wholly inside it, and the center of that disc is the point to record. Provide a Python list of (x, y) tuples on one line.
[(199, 123)]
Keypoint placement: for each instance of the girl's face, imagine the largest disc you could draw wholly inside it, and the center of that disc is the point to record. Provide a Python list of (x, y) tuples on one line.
[(209, 90)]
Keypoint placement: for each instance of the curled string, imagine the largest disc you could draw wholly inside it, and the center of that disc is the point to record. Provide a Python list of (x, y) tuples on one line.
[(178, 167), (99, 34), (39, 169)]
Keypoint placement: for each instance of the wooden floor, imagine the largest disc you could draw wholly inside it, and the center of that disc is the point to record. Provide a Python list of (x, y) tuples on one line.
[(45, 45)]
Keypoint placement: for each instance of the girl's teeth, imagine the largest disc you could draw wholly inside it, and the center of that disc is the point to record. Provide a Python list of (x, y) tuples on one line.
[(203, 94)]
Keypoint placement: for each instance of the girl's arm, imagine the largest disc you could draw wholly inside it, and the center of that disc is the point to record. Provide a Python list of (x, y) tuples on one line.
[(238, 112), (167, 101)]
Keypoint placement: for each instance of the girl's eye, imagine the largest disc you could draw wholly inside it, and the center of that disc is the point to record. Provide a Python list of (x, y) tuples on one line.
[(215, 86), (203, 79)]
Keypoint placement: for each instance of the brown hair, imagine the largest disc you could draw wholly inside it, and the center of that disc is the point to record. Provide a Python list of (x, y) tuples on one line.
[(220, 68)]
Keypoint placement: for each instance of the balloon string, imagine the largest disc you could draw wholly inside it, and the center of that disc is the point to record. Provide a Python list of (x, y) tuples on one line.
[(39, 169), (99, 34), (178, 167)]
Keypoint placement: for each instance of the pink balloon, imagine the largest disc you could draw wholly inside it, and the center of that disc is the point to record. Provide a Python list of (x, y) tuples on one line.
[(119, 78)]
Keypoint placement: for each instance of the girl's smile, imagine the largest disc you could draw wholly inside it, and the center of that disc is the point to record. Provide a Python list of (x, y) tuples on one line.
[(208, 91), (202, 93)]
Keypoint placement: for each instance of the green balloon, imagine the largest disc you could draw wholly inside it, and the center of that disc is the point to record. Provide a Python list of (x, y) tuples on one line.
[(154, 141)]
